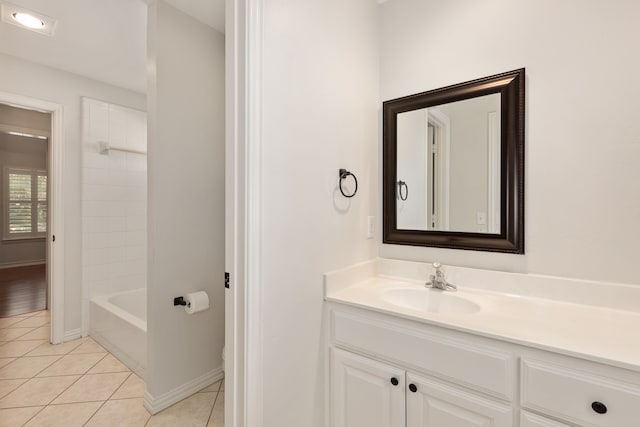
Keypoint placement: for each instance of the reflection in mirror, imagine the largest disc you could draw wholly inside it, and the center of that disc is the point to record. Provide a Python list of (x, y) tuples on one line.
[(453, 166), (448, 167)]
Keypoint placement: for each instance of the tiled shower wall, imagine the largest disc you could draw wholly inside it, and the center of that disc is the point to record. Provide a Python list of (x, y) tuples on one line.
[(114, 201)]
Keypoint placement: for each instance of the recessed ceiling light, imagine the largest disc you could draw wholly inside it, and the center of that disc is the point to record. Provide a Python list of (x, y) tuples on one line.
[(28, 20)]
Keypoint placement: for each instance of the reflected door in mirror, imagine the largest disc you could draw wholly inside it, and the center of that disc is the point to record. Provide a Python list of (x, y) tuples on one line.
[(448, 167)]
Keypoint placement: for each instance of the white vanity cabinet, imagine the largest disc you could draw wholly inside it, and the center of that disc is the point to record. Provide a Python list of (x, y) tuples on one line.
[(390, 371), (368, 393), (387, 372)]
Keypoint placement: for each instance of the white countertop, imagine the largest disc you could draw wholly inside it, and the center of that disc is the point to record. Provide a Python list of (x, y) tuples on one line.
[(602, 334)]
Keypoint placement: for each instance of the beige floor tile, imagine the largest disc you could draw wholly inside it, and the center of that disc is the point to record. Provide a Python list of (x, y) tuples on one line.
[(72, 364), (193, 411), (37, 391), (89, 346), (217, 415), (16, 417), (222, 386), (92, 388), (26, 367), (213, 388), (31, 322), (41, 333), (8, 321), (19, 348), (11, 333), (69, 415), (7, 386), (48, 349), (121, 413), (132, 387), (109, 364), (6, 360)]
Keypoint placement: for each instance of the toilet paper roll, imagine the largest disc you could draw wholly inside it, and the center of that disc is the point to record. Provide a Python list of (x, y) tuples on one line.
[(196, 301)]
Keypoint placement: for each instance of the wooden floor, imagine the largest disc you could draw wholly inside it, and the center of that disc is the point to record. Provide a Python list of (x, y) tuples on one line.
[(23, 290)]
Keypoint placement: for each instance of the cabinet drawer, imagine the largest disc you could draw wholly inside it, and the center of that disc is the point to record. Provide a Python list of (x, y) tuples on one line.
[(465, 362), (570, 394)]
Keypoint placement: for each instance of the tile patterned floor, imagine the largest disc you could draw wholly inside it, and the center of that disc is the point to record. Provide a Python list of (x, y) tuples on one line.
[(79, 383)]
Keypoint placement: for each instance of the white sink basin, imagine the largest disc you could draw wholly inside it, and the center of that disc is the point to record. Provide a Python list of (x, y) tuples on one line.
[(430, 300)]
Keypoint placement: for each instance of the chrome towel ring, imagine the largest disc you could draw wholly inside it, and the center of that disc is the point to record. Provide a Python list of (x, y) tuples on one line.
[(343, 175)]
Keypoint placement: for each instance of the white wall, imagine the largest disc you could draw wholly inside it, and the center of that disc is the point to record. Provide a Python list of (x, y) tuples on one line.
[(186, 198), (469, 161), (26, 119), (582, 132), (320, 114), (40, 82), (114, 200)]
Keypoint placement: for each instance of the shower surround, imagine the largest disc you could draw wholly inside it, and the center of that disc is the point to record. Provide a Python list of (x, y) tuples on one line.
[(114, 209)]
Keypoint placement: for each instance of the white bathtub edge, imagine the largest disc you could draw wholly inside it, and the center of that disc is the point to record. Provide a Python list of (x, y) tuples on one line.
[(129, 361), (120, 332), (157, 404), (103, 301)]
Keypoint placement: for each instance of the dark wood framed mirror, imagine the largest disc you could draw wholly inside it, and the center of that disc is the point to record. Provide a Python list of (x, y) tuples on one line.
[(453, 166)]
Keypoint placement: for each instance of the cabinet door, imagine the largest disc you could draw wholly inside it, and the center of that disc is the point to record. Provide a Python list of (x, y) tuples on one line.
[(434, 404), (531, 420), (363, 393)]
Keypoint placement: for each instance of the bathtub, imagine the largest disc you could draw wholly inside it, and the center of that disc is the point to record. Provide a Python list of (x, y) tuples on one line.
[(118, 322)]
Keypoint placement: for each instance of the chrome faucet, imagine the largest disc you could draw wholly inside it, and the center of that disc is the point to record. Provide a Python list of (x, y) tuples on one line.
[(438, 281)]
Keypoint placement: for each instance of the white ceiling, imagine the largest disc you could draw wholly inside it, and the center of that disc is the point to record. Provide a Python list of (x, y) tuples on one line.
[(101, 39)]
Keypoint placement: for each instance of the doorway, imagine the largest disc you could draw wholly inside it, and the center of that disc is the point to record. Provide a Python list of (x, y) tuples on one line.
[(437, 164), (32, 261), (24, 140)]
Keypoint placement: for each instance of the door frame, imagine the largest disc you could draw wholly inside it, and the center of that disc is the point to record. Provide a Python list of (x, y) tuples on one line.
[(442, 135), (55, 250), (243, 200), (493, 173)]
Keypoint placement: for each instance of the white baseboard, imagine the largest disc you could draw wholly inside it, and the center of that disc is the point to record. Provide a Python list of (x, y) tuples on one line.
[(22, 264), (72, 335), (157, 404)]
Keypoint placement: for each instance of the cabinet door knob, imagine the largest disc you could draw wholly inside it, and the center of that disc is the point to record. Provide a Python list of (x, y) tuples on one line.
[(413, 388), (394, 381), (599, 407)]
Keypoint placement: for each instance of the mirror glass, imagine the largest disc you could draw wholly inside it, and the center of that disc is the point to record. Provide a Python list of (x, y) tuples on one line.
[(448, 167), (453, 166)]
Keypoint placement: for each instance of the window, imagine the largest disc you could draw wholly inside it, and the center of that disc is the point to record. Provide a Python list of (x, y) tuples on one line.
[(25, 204)]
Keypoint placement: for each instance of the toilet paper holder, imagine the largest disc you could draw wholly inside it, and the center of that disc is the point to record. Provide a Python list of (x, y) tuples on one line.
[(180, 301), (193, 302)]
